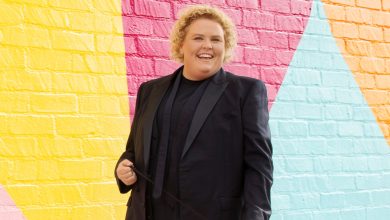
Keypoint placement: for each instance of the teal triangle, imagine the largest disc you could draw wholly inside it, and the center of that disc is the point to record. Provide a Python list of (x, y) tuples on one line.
[(331, 159)]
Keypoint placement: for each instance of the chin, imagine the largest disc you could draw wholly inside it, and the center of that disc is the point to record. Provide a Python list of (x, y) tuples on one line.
[(206, 68), (206, 71)]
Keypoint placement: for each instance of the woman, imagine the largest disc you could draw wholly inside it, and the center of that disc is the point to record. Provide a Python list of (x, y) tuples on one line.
[(199, 146)]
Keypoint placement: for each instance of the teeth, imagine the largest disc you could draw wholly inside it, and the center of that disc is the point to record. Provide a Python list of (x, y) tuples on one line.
[(205, 56)]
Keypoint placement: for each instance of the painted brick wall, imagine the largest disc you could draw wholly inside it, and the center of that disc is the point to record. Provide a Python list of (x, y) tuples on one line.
[(332, 160), (64, 115), (271, 32), (67, 68), (362, 32)]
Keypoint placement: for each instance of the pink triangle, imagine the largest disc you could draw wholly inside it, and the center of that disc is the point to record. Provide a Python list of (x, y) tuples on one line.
[(8, 209)]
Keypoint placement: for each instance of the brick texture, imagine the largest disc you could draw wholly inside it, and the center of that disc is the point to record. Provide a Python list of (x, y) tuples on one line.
[(64, 107), (329, 149), (259, 24), (364, 32), (70, 71)]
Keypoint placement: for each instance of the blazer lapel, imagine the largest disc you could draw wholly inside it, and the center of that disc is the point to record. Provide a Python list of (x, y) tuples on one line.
[(210, 97), (156, 95)]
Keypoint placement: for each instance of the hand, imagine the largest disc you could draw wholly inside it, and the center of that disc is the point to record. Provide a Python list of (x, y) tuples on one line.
[(125, 173)]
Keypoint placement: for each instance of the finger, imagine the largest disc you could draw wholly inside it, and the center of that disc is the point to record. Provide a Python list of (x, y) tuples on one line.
[(127, 175), (132, 178), (128, 171), (130, 182), (127, 179), (126, 163), (127, 182), (123, 171)]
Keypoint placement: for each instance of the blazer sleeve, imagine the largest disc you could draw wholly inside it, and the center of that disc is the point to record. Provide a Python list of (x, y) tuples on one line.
[(258, 166), (129, 153)]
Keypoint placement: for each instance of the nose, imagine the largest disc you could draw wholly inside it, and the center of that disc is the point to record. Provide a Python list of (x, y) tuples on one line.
[(207, 44)]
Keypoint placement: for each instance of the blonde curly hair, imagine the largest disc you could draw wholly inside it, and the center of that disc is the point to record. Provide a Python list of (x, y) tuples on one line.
[(192, 13)]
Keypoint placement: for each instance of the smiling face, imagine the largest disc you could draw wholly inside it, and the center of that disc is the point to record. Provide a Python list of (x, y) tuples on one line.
[(203, 49)]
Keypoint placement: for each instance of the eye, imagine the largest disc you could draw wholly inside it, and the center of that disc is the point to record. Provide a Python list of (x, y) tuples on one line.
[(197, 38)]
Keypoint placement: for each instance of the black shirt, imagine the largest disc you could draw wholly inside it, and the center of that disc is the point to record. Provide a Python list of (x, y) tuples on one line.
[(183, 108)]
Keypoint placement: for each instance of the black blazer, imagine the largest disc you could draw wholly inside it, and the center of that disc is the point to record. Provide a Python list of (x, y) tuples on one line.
[(225, 171)]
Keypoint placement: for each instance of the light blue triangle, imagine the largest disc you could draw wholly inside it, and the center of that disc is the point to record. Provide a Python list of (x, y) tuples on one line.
[(331, 159)]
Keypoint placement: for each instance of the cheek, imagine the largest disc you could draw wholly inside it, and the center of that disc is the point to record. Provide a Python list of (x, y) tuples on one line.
[(220, 50), (190, 50)]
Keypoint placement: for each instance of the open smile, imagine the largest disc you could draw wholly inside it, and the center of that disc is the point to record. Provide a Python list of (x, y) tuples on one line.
[(205, 56)]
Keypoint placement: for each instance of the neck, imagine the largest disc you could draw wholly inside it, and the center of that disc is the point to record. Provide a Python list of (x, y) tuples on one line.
[(197, 76)]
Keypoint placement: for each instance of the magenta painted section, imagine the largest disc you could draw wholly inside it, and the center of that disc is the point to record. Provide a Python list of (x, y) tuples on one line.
[(8, 209), (268, 34)]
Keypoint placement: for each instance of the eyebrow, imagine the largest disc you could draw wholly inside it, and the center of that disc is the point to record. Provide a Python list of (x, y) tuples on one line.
[(203, 35)]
